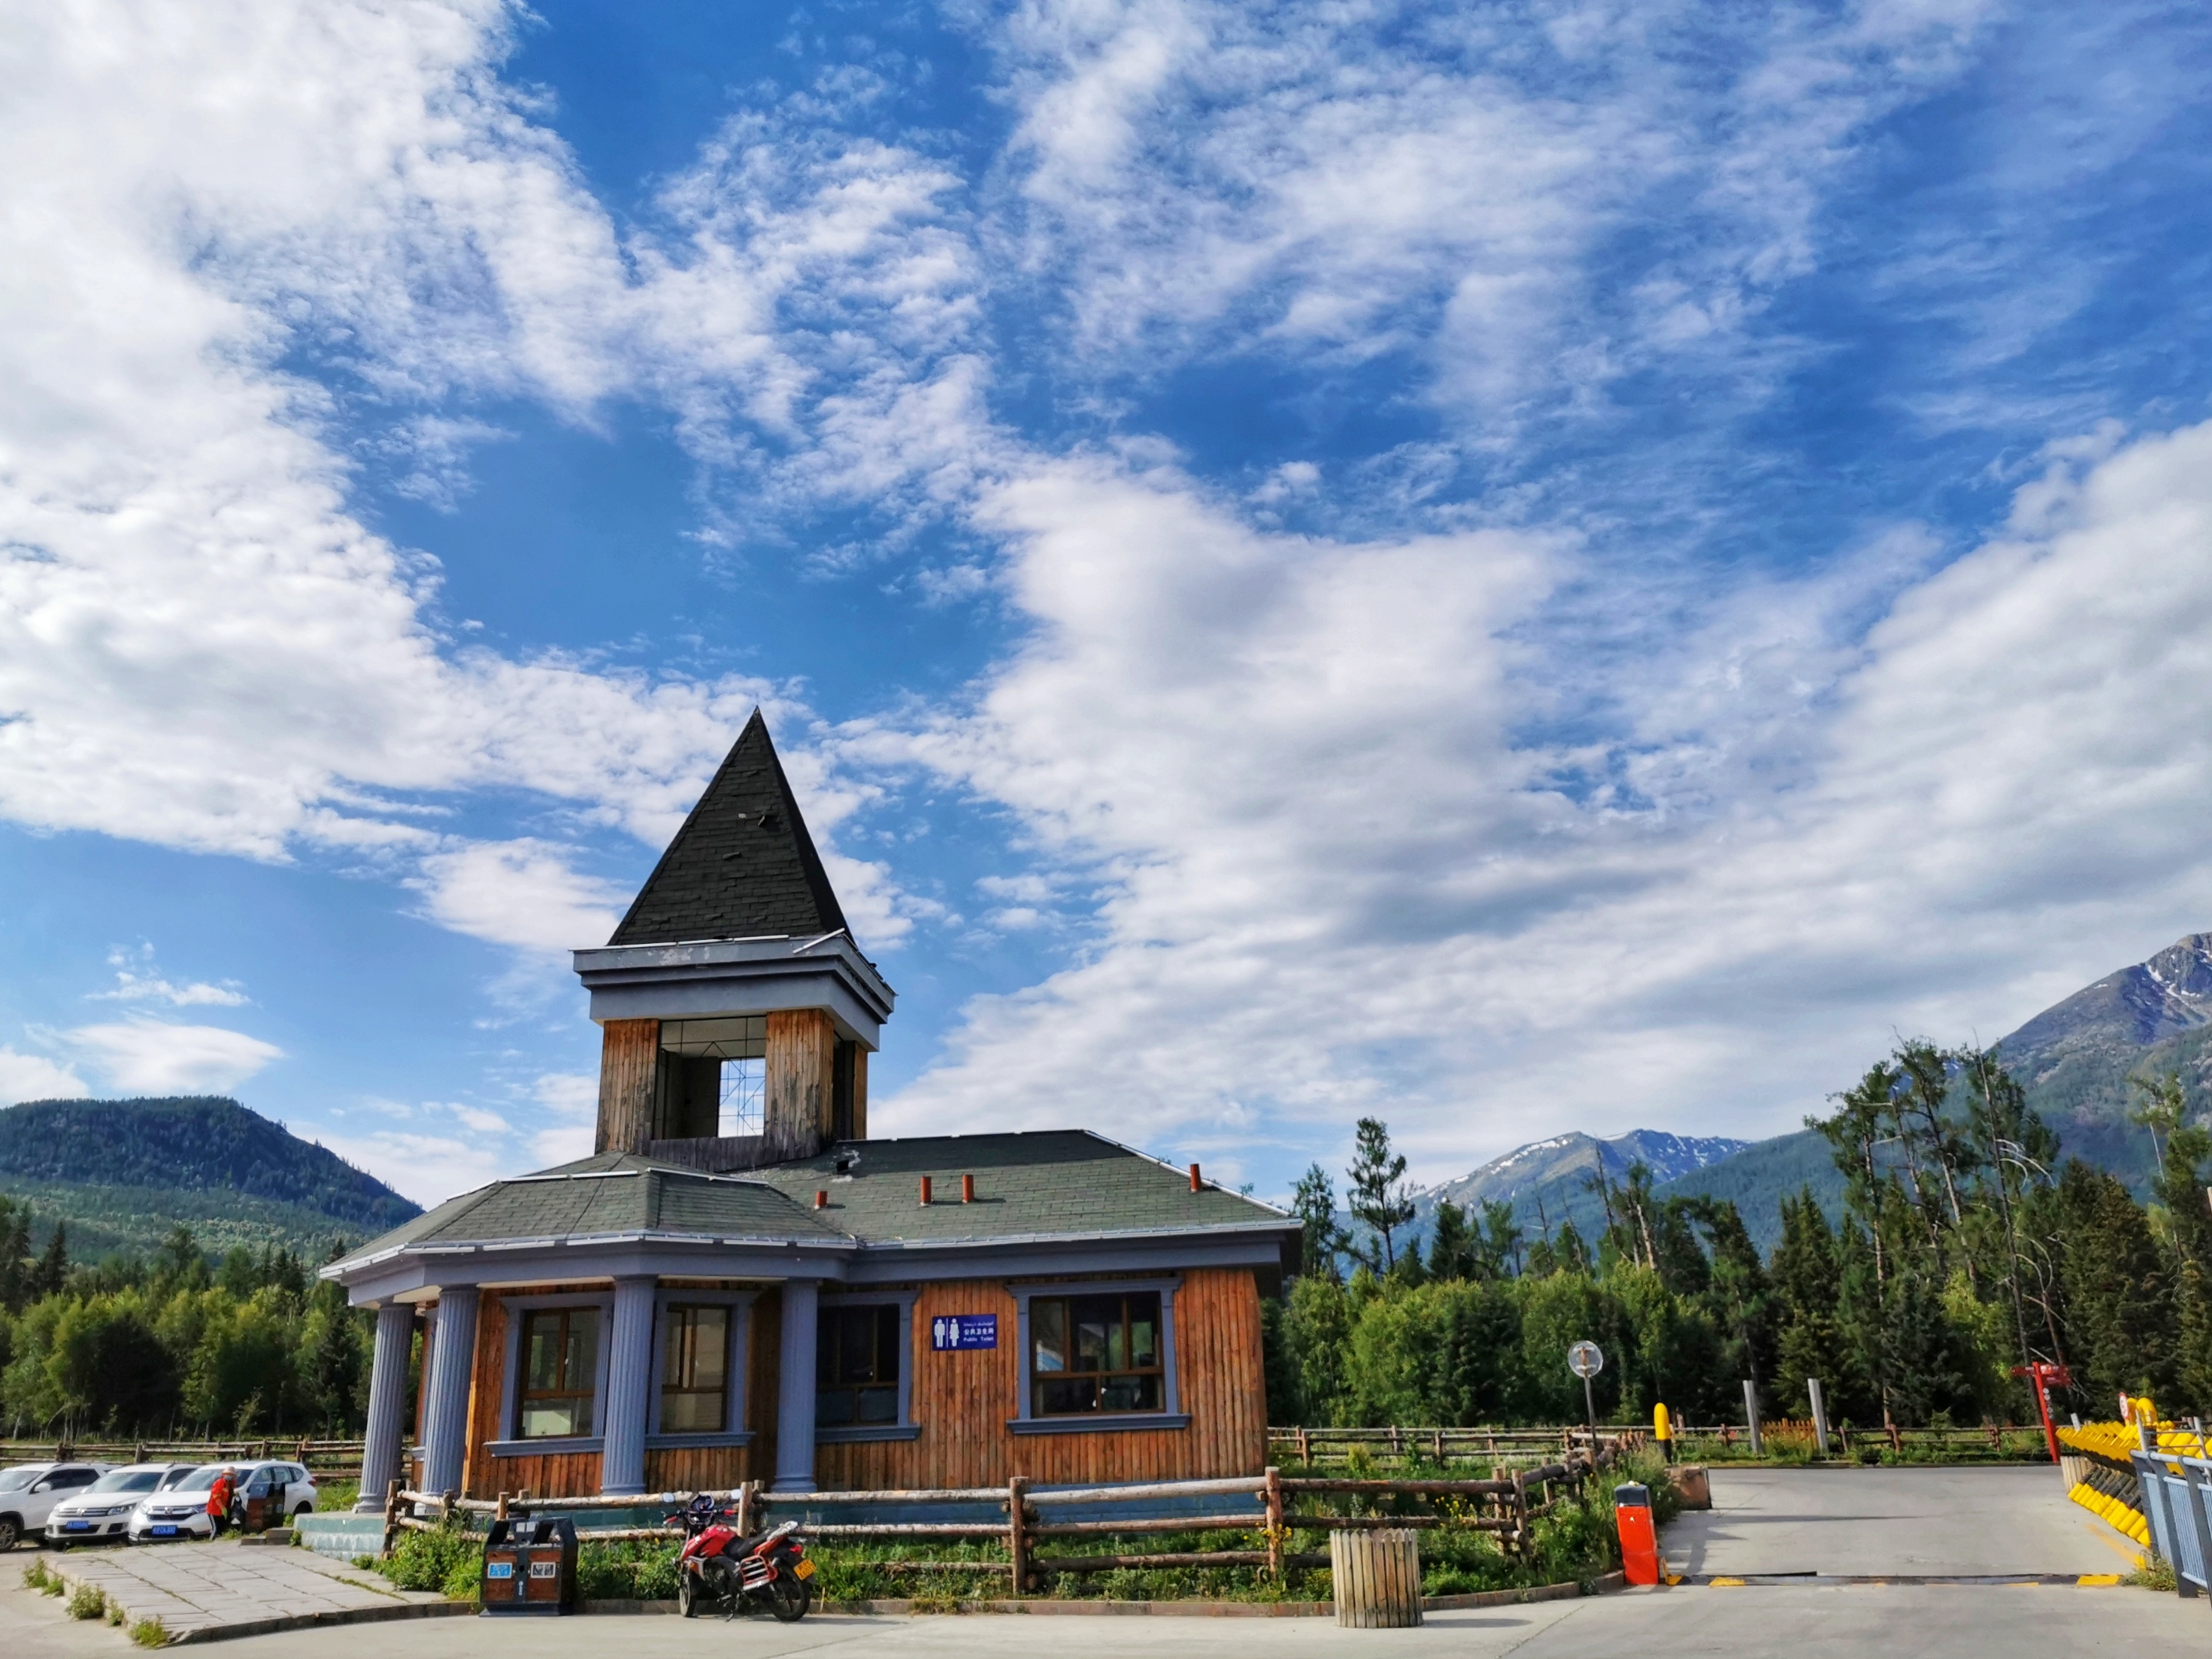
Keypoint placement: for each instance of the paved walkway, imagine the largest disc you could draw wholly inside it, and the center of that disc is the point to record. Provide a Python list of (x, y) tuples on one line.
[(1907, 1522), (197, 1590)]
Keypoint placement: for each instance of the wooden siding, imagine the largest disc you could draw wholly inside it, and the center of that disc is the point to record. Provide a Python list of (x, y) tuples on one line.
[(964, 1399), (798, 1081), (629, 1058)]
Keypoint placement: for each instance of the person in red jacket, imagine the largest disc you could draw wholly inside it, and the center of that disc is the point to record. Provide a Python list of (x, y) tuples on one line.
[(219, 1496)]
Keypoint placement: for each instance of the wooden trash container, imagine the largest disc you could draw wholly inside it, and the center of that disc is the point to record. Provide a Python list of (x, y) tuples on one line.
[(1377, 1578)]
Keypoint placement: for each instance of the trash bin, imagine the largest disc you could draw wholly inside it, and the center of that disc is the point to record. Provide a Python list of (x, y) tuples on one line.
[(530, 1566)]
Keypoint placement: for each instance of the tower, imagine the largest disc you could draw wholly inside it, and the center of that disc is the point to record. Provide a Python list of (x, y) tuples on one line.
[(734, 966)]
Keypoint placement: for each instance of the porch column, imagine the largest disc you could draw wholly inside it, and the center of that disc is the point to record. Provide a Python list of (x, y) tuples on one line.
[(387, 1404), (453, 1358), (795, 1400), (629, 1383)]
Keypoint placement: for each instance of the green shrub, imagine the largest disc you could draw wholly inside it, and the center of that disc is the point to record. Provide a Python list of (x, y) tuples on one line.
[(150, 1633), (86, 1602), (35, 1577), (628, 1569), (448, 1558)]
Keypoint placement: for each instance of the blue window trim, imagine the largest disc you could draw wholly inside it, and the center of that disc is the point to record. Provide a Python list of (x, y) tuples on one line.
[(513, 1307), (734, 1432), (1026, 1420), (906, 1428)]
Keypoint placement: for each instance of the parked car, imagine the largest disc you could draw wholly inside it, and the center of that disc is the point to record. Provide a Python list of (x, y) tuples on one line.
[(29, 1491), (181, 1511), (102, 1510)]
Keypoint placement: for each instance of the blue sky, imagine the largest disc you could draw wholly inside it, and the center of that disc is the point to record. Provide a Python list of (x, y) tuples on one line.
[(1507, 567)]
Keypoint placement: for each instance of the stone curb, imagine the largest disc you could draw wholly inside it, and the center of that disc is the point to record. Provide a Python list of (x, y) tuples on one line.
[(1197, 1609)]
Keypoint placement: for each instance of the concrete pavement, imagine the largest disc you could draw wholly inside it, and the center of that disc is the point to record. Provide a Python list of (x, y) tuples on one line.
[(1912, 1523), (1957, 1622)]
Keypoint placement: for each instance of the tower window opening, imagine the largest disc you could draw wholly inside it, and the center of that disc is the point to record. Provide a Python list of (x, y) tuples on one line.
[(745, 1081)]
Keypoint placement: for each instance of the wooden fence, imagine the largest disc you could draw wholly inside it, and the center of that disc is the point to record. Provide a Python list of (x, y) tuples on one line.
[(1438, 1446), (337, 1459), (1506, 1505)]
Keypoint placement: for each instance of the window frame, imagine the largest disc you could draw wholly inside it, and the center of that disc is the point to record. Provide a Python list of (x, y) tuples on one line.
[(734, 1432), (905, 1428), (513, 1309), (1026, 1419)]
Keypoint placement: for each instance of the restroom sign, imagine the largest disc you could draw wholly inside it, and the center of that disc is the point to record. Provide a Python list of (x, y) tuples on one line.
[(948, 1332)]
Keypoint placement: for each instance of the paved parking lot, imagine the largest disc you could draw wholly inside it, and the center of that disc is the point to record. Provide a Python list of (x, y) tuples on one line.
[(1913, 1522)]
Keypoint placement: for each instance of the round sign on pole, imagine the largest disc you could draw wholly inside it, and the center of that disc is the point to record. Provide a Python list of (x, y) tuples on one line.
[(1585, 1360)]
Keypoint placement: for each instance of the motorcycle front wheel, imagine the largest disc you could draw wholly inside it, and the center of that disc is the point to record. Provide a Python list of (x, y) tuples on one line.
[(687, 1594), (788, 1598)]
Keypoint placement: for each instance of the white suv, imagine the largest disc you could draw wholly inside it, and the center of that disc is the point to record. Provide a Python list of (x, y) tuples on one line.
[(181, 1511), (29, 1491), (102, 1510)]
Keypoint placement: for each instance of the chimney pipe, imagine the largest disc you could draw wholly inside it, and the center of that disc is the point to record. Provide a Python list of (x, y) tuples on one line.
[(1196, 1185), (821, 1200), (967, 1189), (925, 1189)]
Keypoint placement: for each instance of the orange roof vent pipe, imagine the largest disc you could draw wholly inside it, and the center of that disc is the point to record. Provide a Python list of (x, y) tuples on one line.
[(925, 1189), (1196, 1185), (820, 1199), (967, 1189)]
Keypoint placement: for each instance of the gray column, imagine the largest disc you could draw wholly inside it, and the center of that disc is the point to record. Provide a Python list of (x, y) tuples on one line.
[(453, 1358), (387, 1404), (1820, 1414), (629, 1381), (795, 1400)]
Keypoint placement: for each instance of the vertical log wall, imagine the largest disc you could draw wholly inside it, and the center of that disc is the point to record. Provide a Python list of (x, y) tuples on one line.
[(629, 1056), (800, 1074)]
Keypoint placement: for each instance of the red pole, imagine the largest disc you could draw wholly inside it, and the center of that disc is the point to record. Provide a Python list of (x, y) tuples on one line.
[(2043, 1404)]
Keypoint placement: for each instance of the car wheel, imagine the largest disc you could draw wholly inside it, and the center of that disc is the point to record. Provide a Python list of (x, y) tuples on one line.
[(304, 1509), (11, 1532)]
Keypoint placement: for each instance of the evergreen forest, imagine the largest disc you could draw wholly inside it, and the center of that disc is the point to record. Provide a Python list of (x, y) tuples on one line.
[(172, 1345), (1966, 1246)]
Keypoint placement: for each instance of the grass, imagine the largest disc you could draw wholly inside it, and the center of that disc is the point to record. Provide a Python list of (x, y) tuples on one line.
[(88, 1601), (2156, 1573), (35, 1577), (448, 1558), (149, 1633), (335, 1497)]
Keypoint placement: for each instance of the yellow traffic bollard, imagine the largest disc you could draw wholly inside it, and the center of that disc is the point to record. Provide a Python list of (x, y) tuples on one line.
[(1662, 1430)]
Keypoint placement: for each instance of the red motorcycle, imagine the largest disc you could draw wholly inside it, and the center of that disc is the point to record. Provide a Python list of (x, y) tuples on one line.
[(720, 1569)]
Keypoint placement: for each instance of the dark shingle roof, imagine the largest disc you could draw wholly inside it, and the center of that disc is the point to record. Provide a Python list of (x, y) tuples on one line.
[(615, 1194), (743, 865), (1049, 1183), (1038, 1184)]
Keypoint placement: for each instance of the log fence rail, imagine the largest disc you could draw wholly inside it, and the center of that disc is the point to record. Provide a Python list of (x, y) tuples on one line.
[(1504, 1505)]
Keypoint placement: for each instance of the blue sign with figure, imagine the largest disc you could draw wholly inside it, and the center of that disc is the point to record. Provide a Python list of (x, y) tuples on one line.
[(950, 1331)]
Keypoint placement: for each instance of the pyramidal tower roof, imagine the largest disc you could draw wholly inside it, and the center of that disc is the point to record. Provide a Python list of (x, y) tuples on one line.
[(743, 865)]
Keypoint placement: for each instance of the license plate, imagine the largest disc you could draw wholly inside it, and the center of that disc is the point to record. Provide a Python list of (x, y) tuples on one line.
[(77, 1526), (164, 1532), (804, 1570)]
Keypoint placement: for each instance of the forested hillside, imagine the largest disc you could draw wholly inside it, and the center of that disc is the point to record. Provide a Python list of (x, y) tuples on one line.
[(124, 1174)]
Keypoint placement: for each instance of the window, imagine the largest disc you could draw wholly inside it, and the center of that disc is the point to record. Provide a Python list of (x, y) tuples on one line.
[(560, 1366), (1095, 1353), (695, 1369), (856, 1366)]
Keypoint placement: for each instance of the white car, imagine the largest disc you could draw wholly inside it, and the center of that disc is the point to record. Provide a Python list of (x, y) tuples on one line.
[(102, 1510), (181, 1510), (29, 1491)]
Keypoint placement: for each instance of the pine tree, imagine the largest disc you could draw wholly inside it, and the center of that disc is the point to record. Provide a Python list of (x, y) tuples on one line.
[(1500, 1240), (1806, 1282), (1452, 1252), (1314, 1203), (52, 1272), (1377, 1198)]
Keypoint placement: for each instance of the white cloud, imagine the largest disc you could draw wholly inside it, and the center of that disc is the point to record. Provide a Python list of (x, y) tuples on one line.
[(152, 1057), (35, 1076), (571, 1099), (201, 646), (137, 978), (1342, 882)]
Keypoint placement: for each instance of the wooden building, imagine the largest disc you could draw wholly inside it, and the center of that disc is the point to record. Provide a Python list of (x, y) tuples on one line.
[(740, 1284)]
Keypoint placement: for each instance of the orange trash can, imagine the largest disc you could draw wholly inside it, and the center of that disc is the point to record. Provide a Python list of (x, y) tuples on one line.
[(1639, 1540)]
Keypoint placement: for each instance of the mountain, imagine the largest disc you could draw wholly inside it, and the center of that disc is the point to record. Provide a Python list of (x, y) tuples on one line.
[(1547, 1181), (122, 1173)]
